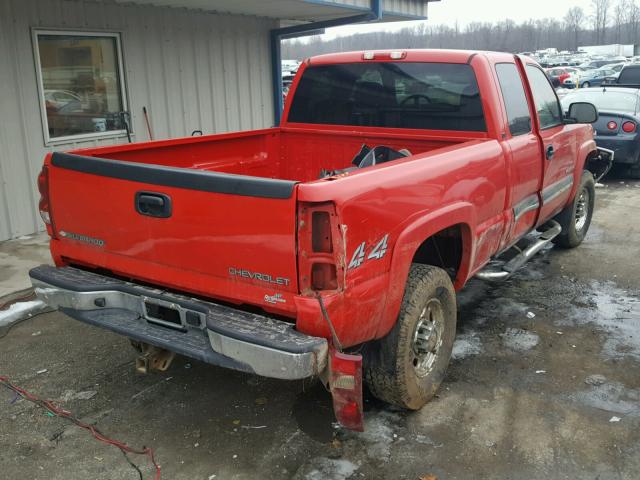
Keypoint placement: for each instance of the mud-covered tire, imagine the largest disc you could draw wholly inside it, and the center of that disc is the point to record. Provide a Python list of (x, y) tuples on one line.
[(390, 367), (573, 231)]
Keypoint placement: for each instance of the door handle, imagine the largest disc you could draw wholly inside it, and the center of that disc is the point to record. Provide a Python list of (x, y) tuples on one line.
[(153, 204), (550, 152)]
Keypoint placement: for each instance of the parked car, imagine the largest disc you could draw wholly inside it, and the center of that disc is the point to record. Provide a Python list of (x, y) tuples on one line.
[(616, 67), (594, 64), (62, 100), (617, 124), (333, 243), (630, 75), (559, 73), (593, 78)]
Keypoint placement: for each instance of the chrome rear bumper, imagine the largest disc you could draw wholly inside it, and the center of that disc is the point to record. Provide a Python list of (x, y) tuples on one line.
[(207, 331)]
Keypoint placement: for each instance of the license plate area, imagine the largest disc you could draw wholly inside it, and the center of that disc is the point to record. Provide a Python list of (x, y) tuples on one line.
[(163, 313)]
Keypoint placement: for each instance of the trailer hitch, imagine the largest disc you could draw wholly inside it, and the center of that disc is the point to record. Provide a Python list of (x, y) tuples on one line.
[(152, 358)]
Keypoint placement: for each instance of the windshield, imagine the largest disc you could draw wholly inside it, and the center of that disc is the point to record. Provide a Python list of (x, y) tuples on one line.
[(435, 96), (604, 100)]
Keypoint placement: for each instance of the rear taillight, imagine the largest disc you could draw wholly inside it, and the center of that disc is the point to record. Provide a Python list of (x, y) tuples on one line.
[(612, 125), (319, 251), (345, 383), (44, 205), (628, 127)]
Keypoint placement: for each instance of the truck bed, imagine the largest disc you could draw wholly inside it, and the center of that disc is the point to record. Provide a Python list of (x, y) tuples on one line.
[(277, 153), (230, 229)]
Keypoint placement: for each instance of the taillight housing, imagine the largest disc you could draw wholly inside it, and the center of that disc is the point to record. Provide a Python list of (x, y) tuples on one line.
[(612, 125), (320, 252), (345, 383), (321, 241), (629, 127), (44, 205)]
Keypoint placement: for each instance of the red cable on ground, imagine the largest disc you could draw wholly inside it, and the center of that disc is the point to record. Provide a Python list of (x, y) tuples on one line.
[(59, 412)]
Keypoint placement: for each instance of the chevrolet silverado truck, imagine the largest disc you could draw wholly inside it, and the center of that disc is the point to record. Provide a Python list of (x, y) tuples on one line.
[(331, 246)]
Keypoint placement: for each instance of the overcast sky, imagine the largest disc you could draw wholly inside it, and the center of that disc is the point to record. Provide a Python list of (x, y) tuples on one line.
[(467, 11)]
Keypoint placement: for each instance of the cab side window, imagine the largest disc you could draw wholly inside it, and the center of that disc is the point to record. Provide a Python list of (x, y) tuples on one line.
[(515, 100), (547, 105)]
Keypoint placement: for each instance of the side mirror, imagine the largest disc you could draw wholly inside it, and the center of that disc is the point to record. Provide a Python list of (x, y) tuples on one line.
[(583, 112)]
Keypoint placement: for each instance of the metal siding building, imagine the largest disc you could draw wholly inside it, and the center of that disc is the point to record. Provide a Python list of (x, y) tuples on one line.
[(193, 68)]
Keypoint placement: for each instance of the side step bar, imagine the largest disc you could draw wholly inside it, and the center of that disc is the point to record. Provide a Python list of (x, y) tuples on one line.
[(510, 267)]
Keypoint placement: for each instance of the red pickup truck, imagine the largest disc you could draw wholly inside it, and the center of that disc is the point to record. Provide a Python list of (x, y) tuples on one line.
[(332, 245)]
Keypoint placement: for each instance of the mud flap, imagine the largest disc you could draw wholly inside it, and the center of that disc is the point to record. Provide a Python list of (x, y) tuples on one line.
[(345, 383)]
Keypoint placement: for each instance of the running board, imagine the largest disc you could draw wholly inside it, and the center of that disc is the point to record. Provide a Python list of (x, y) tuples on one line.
[(510, 267)]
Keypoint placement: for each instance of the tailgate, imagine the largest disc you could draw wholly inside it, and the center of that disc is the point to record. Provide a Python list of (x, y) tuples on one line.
[(221, 235)]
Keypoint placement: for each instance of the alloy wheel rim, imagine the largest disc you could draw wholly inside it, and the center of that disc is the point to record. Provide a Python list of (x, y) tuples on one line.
[(582, 208), (428, 337)]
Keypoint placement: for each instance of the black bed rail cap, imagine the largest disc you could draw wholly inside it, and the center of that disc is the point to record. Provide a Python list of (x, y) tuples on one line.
[(191, 179)]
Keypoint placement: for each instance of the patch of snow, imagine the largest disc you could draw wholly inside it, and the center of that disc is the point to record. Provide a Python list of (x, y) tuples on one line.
[(519, 340), (68, 395), (465, 345), (595, 380), (611, 397), (330, 469), (19, 310), (378, 434), (618, 314)]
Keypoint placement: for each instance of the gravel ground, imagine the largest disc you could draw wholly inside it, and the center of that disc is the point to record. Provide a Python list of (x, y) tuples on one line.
[(545, 383)]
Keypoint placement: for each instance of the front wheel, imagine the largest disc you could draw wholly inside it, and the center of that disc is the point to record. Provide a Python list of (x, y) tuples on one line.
[(586, 85), (576, 217), (406, 367)]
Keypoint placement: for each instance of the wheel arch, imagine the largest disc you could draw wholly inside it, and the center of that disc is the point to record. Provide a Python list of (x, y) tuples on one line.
[(586, 151), (457, 219)]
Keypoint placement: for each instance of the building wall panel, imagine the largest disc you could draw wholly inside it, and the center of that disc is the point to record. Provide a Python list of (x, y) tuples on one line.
[(192, 70)]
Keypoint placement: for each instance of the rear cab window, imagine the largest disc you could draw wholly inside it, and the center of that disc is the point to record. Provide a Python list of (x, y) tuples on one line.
[(546, 101), (515, 99), (433, 96)]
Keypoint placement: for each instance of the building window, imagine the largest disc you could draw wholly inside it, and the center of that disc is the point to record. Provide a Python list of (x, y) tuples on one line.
[(81, 84)]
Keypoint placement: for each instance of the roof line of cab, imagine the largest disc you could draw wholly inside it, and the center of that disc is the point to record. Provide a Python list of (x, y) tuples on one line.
[(403, 55)]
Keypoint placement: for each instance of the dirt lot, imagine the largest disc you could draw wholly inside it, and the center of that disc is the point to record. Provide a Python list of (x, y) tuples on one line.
[(525, 397)]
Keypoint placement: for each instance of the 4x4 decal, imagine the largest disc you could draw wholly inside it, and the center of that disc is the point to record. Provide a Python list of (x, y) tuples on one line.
[(377, 253)]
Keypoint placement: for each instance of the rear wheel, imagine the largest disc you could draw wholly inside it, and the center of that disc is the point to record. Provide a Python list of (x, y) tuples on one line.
[(406, 367), (585, 85), (576, 217)]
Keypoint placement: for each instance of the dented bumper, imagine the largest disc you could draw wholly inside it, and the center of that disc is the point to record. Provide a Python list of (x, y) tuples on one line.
[(213, 333)]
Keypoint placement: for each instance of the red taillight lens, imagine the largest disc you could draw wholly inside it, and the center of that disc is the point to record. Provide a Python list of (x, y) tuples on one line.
[(345, 382), (43, 188), (629, 127), (612, 125), (44, 205)]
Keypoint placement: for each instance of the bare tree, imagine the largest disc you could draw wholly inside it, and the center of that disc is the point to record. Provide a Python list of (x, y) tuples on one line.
[(632, 20), (574, 20), (600, 18), (619, 13), (623, 15)]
